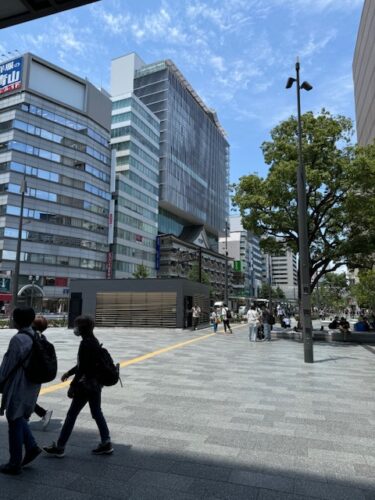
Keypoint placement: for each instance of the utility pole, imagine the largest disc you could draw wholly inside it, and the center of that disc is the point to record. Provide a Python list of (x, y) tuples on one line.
[(16, 273)]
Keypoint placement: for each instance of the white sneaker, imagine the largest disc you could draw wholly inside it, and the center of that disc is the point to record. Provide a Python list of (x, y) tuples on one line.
[(46, 419)]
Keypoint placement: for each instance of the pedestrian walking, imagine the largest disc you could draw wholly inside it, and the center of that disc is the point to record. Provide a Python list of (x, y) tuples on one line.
[(215, 319), (226, 316), (84, 389), (253, 320), (19, 394), (196, 312), (267, 321), (39, 326)]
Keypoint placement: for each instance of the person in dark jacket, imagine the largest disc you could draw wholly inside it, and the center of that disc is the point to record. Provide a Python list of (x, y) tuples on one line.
[(84, 389), (19, 394), (40, 325)]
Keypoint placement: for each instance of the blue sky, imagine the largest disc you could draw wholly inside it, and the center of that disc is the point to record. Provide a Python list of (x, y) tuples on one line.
[(237, 54)]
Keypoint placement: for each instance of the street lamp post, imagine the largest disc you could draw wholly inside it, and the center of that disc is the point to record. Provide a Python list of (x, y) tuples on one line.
[(16, 273), (304, 254)]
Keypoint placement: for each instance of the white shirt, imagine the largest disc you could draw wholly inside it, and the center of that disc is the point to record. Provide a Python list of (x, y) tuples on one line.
[(253, 317)]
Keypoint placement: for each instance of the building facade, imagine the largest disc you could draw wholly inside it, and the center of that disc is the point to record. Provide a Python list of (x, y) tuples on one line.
[(135, 140), (364, 75), (244, 249), (284, 273), (54, 146), (194, 152)]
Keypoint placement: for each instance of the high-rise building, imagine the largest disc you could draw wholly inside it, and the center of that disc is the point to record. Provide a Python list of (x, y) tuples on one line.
[(284, 273), (244, 248), (194, 151), (54, 145), (135, 139), (363, 73)]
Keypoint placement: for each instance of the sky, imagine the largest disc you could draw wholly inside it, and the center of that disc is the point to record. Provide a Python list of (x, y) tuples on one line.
[(237, 55)]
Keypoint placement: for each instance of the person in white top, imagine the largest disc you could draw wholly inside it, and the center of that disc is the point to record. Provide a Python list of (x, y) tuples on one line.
[(253, 320)]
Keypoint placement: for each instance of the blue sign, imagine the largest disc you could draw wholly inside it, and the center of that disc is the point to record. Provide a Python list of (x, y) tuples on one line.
[(10, 75)]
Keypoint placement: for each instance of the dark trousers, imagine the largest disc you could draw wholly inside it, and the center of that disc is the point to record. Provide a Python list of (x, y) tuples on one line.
[(19, 436), (226, 325), (76, 406), (38, 410), (195, 323)]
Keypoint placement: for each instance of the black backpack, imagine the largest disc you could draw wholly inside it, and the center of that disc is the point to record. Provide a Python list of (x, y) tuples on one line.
[(107, 372), (229, 314), (40, 365)]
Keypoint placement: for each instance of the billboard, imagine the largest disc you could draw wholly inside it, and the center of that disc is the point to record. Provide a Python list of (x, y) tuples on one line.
[(237, 265), (10, 75)]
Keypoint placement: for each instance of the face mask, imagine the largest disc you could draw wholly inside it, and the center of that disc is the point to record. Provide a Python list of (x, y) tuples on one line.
[(76, 332)]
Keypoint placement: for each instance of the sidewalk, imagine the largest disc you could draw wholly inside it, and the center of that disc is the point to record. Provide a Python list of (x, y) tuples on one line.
[(220, 418)]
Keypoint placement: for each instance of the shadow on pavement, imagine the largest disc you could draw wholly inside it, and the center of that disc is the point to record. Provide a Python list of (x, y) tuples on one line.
[(147, 472)]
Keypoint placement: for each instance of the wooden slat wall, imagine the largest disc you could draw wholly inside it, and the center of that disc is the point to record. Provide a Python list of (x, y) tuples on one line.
[(204, 304), (142, 309)]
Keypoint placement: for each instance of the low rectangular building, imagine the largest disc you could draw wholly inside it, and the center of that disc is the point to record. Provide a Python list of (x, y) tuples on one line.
[(139, 303)]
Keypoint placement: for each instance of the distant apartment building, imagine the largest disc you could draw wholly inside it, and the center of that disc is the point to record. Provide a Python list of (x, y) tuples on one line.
[(135, 140), (364, 75), (247, 259), (54, 144), (284, 273)]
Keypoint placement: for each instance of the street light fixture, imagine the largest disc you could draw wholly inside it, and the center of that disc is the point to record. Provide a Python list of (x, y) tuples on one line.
[(304, 254)]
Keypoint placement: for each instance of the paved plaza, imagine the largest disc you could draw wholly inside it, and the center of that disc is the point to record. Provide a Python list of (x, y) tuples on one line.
[(217, 418)]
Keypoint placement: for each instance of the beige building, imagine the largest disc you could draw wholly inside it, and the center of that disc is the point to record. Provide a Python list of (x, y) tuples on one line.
[(364, 75)]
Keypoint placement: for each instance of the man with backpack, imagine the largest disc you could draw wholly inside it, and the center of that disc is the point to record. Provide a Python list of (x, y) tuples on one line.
[(226, 317), (86, 387), (19, 393)]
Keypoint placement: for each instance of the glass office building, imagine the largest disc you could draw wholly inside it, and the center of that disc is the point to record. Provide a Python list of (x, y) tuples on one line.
[(194, 152), (54, 136), (135, 139)]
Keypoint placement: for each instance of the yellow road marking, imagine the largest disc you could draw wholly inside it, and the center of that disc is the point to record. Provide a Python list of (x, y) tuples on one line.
[(61, 385)]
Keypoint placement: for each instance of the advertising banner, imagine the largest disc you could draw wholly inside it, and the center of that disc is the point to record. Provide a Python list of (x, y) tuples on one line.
[(10, 75), (237, 265)]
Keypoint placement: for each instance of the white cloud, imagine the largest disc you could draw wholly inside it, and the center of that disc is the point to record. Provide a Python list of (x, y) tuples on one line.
[(316, 43)]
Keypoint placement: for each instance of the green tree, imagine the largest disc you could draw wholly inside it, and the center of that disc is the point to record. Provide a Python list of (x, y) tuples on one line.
[(141, 272), (264, 292), (332, 292), (193, 274), (269, 207), (364, 291)]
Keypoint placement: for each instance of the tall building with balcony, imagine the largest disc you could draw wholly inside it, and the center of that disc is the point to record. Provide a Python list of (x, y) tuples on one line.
[(284, 273), (135, 140), (54, 143), (363, 73), (244, 248), (194, 151)]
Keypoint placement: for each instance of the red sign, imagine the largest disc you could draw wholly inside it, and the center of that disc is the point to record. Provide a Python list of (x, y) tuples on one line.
[(61, 281), (109, 265)]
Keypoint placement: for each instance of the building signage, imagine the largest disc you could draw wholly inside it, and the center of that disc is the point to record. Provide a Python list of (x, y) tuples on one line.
[(237, 265), (10, 75), (109, 265), (4, 284)]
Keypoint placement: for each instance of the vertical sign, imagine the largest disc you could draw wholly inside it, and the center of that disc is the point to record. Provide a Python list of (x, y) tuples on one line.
[(109, 265), (11, 75), (111, 216)]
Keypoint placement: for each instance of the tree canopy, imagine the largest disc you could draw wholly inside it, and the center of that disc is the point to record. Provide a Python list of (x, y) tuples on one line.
[(141, 272), (337, 195), (364, 291)]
